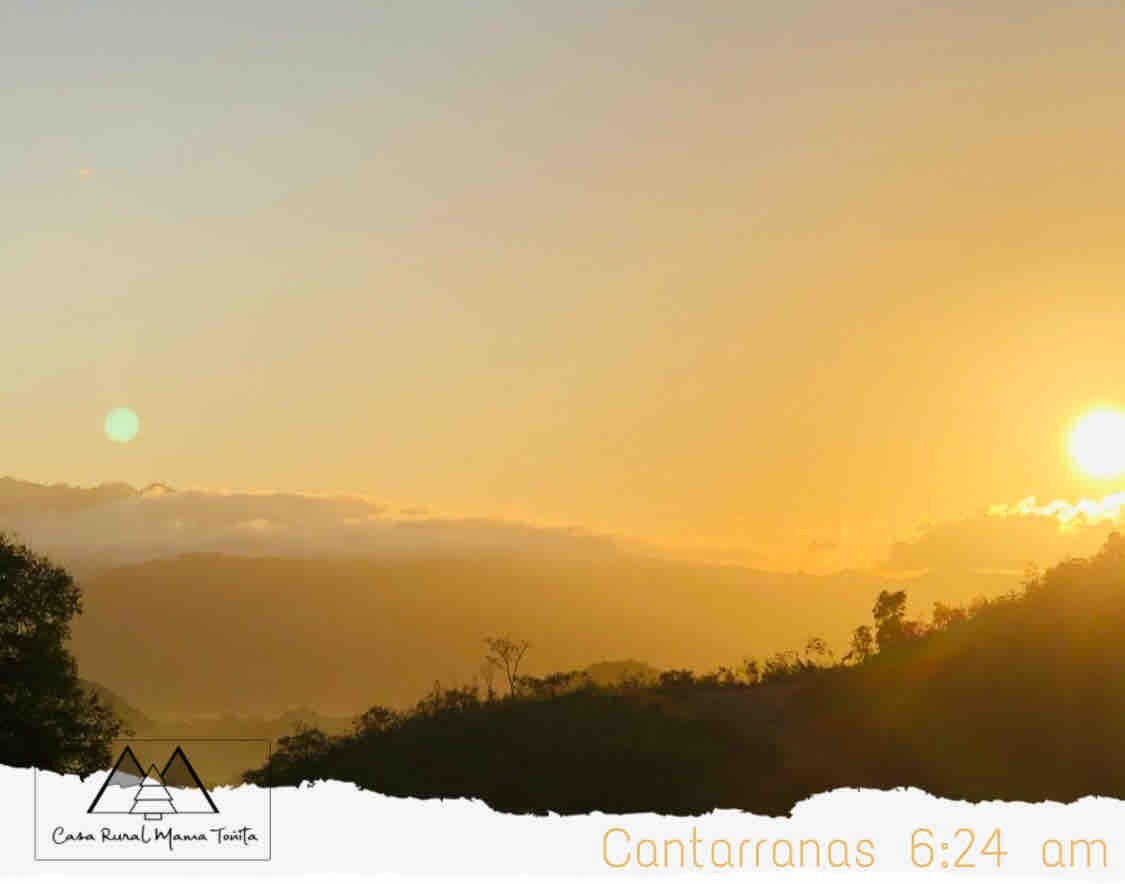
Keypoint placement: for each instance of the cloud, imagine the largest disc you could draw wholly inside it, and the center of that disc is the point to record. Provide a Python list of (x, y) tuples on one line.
[(1012, 536), (1070, 516), (117, 523), (132, 525)]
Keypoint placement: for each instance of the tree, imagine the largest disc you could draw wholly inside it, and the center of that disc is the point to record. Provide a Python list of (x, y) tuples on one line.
[(506, 656), (891, 626), (817, 653), (440, 700), (556, 683), (751, 670), (781, 665), (47, 719), (889, 610), (946, 615), (862, 645), (676, 679), (376, 720), (304, 743)]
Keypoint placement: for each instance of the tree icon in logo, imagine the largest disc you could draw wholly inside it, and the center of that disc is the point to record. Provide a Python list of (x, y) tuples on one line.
[(153, 798)]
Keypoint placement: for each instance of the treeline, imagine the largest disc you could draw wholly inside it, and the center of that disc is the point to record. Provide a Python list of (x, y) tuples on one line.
[(500, 679), (1015, 698), (759, 735)]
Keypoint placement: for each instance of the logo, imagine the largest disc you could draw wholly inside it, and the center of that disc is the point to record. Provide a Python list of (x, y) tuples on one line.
[(192, 806), (129, 789)]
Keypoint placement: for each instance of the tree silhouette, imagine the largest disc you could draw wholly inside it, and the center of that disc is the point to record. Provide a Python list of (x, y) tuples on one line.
[(862, 645), (506, 656), (817, 652), (889, 610), (946, 615), (47, 719), (375, 720)]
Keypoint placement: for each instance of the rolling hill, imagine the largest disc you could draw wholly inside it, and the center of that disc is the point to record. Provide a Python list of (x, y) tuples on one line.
[(212, 634), (1017, 699)]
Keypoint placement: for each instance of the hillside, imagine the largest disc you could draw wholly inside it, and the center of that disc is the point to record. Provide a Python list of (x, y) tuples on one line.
[(1021, 701), (1016, 699)]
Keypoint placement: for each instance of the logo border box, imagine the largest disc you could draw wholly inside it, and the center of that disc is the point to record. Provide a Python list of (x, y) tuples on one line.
[(145, 859)]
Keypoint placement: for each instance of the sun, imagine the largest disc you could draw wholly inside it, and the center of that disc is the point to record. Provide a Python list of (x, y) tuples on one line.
[(1097, 443)]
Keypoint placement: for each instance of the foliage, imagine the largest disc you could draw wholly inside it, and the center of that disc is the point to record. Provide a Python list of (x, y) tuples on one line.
[(590, 749), (862, 645), (943, 705), (48, 718)]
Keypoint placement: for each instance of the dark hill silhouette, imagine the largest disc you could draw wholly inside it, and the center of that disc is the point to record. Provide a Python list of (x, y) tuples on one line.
[(1021, 701), (132, 719), (1017, 699)]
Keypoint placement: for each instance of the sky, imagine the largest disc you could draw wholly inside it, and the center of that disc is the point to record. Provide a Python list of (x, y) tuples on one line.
[(799, 279)]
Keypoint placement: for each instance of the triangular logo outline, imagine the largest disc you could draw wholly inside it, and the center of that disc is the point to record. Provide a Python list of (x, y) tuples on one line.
[(195, 781), (127, 765), (125, 757)]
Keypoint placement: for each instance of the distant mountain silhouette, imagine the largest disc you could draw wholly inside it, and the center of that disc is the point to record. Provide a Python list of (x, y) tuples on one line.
[(265, 634), (129, 715)]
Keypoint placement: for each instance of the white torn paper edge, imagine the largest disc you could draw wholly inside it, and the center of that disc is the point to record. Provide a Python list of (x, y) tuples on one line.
[(335, 829)]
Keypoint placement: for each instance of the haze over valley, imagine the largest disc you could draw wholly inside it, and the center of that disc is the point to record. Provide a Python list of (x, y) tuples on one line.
[(211, 603)]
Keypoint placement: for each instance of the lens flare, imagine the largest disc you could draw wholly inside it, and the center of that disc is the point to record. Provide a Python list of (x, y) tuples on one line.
[(122, 425), (1097, 444)]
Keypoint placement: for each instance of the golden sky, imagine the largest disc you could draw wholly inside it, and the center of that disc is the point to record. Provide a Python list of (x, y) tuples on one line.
[(792, 278)]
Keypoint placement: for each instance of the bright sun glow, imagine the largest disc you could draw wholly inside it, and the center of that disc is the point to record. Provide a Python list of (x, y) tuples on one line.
[(1097, 444)]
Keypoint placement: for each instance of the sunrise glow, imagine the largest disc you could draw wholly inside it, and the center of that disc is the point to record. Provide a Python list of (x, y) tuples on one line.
[(1097, 444)]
